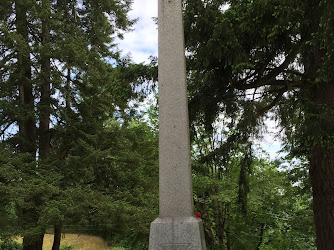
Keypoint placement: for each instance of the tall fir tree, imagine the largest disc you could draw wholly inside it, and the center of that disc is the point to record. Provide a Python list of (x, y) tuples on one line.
[(61, 79)]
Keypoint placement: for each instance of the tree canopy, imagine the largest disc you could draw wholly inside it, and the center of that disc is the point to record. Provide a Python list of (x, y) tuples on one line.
[(271, 59), (62, 81), (74, 152)]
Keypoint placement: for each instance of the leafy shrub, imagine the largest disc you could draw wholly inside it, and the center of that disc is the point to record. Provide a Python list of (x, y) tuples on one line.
[(66, 247), (10, 245), (133, 241)]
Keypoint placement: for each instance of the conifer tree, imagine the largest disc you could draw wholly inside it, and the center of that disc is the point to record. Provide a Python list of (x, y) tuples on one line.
[(58, 86)]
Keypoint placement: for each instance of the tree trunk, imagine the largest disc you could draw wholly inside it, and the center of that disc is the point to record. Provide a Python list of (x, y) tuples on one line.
[(44, 140), (322, 179), (57, 237), (68, 89), (207, 223), (262, 227), (322, 166), (35, 243), (228, 236), (26, 121), (219, 223)]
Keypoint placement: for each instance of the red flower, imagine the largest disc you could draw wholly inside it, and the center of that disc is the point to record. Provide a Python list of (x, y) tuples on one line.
[(198, 214)]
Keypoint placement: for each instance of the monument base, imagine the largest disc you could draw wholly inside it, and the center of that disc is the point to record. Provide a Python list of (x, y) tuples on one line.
[(177, 233)]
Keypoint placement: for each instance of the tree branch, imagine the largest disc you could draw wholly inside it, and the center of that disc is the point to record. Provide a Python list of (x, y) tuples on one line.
[(275, 72), (270, 78), (6, 127), (273, 103), (285, 83)]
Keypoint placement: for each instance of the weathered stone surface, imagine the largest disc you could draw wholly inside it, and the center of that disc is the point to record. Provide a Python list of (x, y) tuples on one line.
[(174, 144), (176, 228), (177, 233)]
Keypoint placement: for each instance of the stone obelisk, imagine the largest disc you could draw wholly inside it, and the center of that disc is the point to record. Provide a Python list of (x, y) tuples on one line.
[(176, 228)]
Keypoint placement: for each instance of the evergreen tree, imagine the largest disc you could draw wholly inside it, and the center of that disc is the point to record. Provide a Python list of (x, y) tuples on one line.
[(61, 79), (254, 56)]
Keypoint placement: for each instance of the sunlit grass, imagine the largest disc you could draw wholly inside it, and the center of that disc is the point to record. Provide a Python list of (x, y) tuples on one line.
[(78, 241)]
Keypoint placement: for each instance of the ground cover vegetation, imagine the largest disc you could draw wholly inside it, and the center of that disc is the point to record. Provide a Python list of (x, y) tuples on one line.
[(76, 156)]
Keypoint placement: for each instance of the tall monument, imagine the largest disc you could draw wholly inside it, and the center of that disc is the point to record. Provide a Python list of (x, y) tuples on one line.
[(176, 228)]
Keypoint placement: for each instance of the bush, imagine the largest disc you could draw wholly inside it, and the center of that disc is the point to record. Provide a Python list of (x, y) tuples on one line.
[(10, 245), (66, 247), (133, 241)]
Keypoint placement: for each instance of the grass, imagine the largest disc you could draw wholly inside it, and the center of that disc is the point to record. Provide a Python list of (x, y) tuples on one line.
[(78, 241)]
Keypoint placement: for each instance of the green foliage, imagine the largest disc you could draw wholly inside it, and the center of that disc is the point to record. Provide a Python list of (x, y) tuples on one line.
[(134, 182), (255, 56), (66, 247), (278, 215), (71, 150), (247, 201), (10, 245), (131, 241), (251, 61)]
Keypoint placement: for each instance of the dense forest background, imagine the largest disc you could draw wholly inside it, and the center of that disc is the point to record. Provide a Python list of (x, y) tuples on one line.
[(76, 155)]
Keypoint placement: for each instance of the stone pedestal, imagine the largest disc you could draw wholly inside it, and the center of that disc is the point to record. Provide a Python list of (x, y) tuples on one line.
[(177, 233)]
